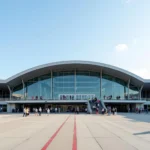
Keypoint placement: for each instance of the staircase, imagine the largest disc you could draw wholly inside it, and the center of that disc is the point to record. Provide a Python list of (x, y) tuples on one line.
[(96, 104)]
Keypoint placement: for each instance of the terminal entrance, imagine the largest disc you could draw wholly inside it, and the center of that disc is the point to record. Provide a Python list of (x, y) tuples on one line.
[(68, 108), (121, 107), (61, 108)]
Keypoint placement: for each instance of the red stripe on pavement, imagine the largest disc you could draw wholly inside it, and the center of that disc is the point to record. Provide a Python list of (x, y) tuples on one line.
[(54, 135), (74, 145)]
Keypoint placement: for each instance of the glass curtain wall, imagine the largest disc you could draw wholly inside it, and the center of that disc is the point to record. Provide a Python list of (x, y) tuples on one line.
[(17, 92), (87, 85), (134, 92), (63, 85), (39, 88), (113, 88), (79, 85)]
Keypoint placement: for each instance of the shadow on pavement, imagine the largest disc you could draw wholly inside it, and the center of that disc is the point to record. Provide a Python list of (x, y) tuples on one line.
[(136, 117), (141, 133)]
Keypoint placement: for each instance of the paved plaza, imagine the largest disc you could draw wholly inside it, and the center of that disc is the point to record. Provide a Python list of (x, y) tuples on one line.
[(75, 132)]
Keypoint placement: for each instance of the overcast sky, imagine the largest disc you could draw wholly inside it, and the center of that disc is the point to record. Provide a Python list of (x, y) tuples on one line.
[(35, 32)]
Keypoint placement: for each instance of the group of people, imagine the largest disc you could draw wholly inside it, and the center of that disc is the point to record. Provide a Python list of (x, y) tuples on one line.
[(140, 110), (111, 110), (26, 111), (37, 111)]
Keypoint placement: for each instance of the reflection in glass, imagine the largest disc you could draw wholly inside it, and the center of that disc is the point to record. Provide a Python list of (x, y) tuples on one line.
[(88, 83), (18, 92), (113, 88), (63, 84), (71, 85), (39, 88)]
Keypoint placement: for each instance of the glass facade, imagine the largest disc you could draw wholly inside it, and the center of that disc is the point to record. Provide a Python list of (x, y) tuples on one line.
[(18, 92), (63, 85), (87, 84), (113, 88), (75, 84), (134, 92), (37, 88)]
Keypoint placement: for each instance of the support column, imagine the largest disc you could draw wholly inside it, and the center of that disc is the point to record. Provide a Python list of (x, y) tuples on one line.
[(75, 84), (128, 88), (51, 84), (140, 92), (101, 83), (10, 92), (23, 89)]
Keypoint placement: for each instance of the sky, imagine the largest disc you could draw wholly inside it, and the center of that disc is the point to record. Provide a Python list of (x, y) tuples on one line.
[(35, 32)]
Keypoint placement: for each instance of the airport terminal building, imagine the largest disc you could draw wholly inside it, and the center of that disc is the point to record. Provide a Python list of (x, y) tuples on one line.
[(74, 83)]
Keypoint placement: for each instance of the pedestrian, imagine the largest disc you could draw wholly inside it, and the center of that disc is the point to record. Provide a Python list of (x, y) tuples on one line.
[(40, 111), (97, 110), (51, 109), (36, 111), (113, 110), (128, 109), (27, 112), (139, 110), (55, 109), (24, 112), (86, 110), (103, 111), (48, 111)]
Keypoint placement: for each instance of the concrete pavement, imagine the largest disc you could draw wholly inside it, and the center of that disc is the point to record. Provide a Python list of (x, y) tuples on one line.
[(93, 132)]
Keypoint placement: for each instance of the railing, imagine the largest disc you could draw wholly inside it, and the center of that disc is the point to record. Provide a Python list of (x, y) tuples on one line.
[(4, 99), (146, 99), (28, 99), (124, 99)]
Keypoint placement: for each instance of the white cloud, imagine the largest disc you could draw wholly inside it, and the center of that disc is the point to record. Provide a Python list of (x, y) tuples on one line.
[(121, 47)]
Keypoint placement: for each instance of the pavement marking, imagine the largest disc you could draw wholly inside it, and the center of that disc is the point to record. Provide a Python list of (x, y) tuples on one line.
[(54, 135), (74, 145)]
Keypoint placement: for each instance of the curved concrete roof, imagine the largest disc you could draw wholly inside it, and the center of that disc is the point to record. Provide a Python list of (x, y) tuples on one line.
[(76, 64)]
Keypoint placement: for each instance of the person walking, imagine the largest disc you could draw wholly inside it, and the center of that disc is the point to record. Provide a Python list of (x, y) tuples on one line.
[(113, 110), (40, 111), (139, 110), (48, 111), (51, 109), (36, 111), (56, 110), (24, 112), (103, 111), (128, 109), (27, 112)]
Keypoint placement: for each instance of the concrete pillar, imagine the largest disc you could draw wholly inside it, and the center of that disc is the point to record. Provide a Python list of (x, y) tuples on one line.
[(10, 92), (23, 89), (10, 107), (140, 91), (101, 84), (128, 88)]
